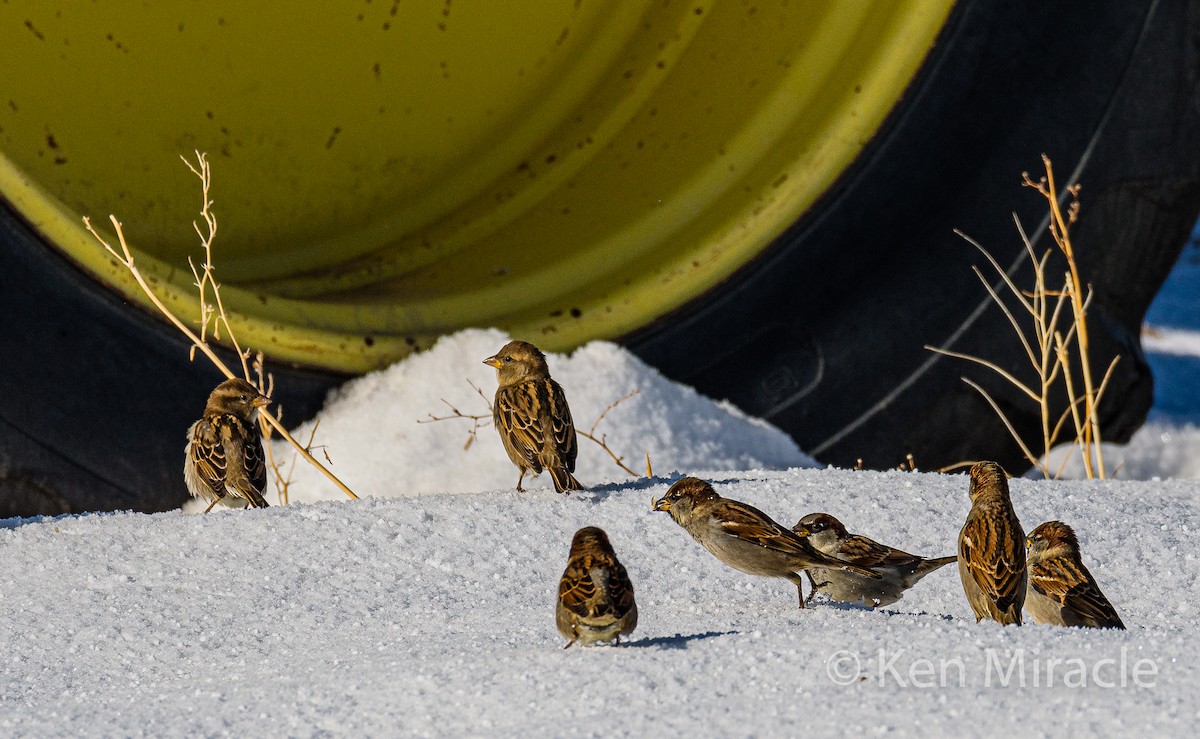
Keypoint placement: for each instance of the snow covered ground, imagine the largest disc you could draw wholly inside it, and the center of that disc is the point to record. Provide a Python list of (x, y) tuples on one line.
[(430, 611), (434, 616)]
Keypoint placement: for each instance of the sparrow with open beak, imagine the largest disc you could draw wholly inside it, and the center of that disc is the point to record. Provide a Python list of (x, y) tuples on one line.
[(744, 537)]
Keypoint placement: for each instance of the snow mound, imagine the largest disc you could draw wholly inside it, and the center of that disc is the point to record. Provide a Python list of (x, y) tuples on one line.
[(370, 425), (1158, 451)]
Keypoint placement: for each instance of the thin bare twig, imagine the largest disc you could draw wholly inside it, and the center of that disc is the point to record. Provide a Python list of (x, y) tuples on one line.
[(1048, 348), (1007, 424), (480, 420), (603, 440), (956, 466), (1060, 230), (608, 408), (990, 365), (125, 257)]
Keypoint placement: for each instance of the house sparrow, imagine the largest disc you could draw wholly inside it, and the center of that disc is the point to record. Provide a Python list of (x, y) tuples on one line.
[(744, 537), (595, 597), (1061, 590), (900, 570), (224, 461), (532, 416), (991, 555)]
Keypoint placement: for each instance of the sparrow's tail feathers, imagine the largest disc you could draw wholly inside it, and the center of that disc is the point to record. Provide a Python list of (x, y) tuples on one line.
[(564, 482), (930, 565)]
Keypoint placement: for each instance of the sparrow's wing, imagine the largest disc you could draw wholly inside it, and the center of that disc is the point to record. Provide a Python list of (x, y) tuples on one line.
[(994, 556), (256, 464), (620, 589), (561, 424), (577, 591), (596, 586), (863, 551), (245, 471), (516, 414), (750, 524), (208, 456), (1069, 583)]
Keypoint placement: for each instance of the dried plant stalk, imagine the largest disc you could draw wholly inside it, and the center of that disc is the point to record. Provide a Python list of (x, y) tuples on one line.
[(1048, 349), (216, 315), (1060, 230), (481, 420)]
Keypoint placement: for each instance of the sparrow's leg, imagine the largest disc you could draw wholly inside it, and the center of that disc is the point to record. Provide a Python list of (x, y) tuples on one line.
[(813, 593), (210, 505), (799, 583), (521, 490), (568, 646)]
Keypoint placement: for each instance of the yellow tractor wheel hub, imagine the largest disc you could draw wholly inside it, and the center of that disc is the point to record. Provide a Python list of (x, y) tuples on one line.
[(385, 172)]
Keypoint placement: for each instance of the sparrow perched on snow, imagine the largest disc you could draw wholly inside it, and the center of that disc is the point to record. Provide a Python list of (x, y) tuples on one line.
[(532, 416), (224, 460), (991, 548), (900, 570), (595, 597), (1061, 590), (744, 537)]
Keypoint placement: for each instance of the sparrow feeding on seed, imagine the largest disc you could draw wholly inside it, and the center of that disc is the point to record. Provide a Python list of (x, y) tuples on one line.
[(900, 570), (595, 598), (224, 461), (531, 414), (1061, 591), (991, 548), (744, 537)]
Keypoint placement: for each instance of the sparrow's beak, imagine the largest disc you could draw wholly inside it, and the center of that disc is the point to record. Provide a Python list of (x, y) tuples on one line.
[(1028, 542), (261, 401), (662, 504), (492, 362), (801, 531)]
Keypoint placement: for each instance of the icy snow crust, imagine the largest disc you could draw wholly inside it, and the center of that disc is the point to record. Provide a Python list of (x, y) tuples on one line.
[(434, 615)]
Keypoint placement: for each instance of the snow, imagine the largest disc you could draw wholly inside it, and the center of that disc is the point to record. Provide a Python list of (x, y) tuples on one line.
[(434, 616), (427, 609)]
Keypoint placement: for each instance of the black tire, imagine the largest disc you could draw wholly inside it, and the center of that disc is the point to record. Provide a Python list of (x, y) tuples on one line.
[(822, 335)]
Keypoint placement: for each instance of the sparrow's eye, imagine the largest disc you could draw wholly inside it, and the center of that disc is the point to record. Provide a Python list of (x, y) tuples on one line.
[(507, 359), (245, 398)]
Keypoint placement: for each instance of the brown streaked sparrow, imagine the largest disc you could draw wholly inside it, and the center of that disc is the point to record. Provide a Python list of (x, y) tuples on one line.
[(1061, 591), (224, 461), (900, 570), (532, 416), (991, 548), (744, 537), (595, 597)]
